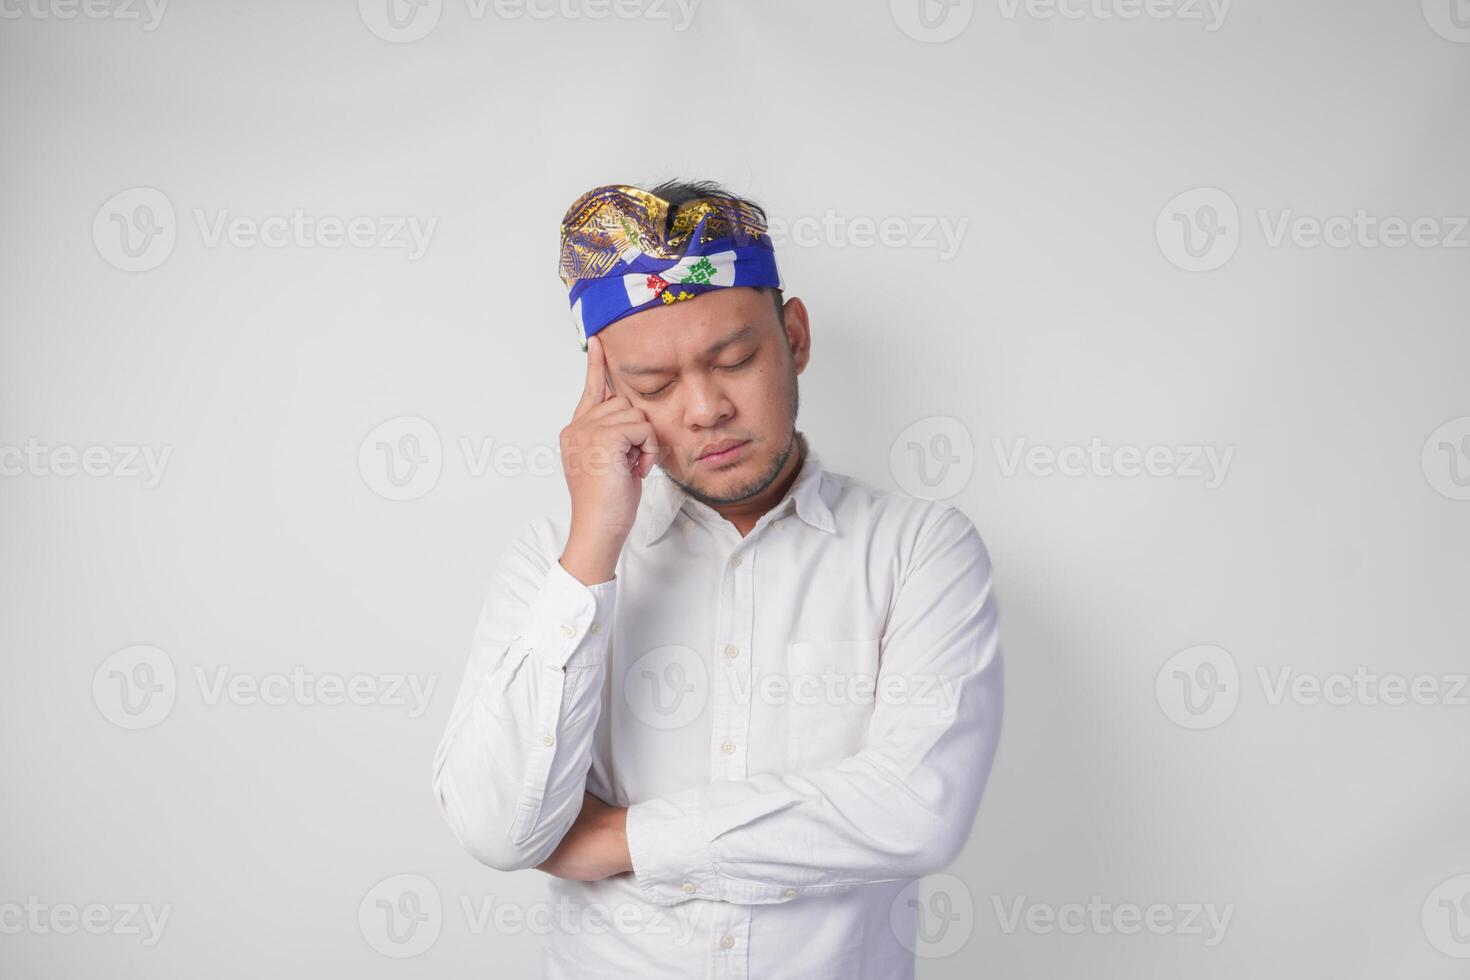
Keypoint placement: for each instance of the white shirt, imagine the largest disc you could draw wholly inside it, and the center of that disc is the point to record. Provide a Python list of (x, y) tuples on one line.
[(801, 721)]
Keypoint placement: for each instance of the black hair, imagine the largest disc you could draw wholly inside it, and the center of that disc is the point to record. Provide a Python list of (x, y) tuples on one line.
[(681, 192)]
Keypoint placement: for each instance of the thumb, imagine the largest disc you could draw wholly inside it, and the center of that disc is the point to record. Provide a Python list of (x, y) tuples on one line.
[(649, 453)]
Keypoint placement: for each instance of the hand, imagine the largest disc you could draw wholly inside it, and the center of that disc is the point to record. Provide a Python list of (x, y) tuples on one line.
[(596, 846), (606, 451)]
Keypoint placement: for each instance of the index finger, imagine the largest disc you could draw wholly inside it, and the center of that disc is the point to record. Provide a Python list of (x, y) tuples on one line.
[(595, 390)]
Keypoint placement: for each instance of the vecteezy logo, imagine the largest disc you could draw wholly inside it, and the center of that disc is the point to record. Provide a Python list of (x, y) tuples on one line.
[(1198, 687), (400, 21), (135, 230), (667, 687), (402, 458), (933, 458), (136, 687), (932, 21), (1450, 19), (401, 916), (1446, 458), (1446, 917), (934, 916), (1199, 230)]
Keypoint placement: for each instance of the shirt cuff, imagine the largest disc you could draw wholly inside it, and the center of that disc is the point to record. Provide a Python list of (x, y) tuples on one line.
[(568, 625), (672, 861), (674, 842)]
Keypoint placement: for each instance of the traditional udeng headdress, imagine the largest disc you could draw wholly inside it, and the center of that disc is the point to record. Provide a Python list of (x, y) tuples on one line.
[(621, 253)]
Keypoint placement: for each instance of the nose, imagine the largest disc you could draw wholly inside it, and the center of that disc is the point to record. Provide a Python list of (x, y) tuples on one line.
[(706, 404)]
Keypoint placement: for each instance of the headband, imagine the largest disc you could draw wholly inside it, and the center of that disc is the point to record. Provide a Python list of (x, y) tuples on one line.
[(622, 254)]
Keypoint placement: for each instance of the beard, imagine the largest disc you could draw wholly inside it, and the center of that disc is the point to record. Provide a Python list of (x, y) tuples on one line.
[(759, 485)]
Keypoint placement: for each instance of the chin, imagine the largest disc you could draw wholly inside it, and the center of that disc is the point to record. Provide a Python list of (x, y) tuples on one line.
[(731, 483), (720, 484), (741, 481)]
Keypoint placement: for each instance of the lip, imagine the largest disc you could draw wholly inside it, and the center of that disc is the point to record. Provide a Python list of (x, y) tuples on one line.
[(723, 451)]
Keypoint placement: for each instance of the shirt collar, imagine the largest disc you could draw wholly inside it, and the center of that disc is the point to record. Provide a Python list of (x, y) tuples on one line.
[(667, 499)]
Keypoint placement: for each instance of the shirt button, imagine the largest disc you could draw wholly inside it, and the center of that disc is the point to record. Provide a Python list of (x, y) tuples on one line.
[(732, 651), (789, 893), (547, 740), (687, 523), (727, 748), (688, 887), (727, 940), (568, 629), (735, 561), (776, 524), (596, 628)]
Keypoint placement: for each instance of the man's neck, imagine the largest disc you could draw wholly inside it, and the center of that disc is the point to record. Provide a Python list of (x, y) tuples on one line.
[(746, 513)]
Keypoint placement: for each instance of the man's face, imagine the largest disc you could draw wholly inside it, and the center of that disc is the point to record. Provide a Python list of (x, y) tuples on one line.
[(717, 372)]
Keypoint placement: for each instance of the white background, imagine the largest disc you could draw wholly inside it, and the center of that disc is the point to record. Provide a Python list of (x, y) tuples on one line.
[(1058, 143)]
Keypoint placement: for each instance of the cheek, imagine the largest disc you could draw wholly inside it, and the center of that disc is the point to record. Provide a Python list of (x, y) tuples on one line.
[(763, 392), (665, 425)]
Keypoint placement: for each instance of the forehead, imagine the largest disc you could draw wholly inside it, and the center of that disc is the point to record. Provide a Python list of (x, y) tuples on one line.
[(686, 329)]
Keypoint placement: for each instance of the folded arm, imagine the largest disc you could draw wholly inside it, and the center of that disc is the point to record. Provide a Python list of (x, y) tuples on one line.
[(511, 768), (900, 807)]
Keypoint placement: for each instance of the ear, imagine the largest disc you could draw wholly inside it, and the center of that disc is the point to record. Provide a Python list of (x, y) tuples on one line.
[(798, 332)]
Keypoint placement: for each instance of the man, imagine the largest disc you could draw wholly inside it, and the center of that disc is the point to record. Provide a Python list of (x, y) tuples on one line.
[(737, 703)]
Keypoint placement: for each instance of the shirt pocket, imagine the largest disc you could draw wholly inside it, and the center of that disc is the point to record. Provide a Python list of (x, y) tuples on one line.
[(830, 690)]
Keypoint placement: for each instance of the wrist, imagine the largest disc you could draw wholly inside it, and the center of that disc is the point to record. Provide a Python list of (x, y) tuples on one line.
[(616, 830), (592, 559)]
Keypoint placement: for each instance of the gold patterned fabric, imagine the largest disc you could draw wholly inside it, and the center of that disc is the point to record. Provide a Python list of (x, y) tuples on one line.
[(616, 223), (622, 251)]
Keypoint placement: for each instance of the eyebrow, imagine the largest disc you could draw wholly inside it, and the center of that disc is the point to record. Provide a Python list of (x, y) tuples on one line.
[(744, 333)]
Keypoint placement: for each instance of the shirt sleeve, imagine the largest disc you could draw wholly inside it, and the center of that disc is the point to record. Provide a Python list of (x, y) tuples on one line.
[(511, 767), (902, 806)]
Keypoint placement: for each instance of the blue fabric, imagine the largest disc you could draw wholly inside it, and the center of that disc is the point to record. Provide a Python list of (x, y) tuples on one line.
[(596, 303)]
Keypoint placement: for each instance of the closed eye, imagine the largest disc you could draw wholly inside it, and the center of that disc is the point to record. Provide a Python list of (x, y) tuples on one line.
[(735, 366), (724, 367)]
